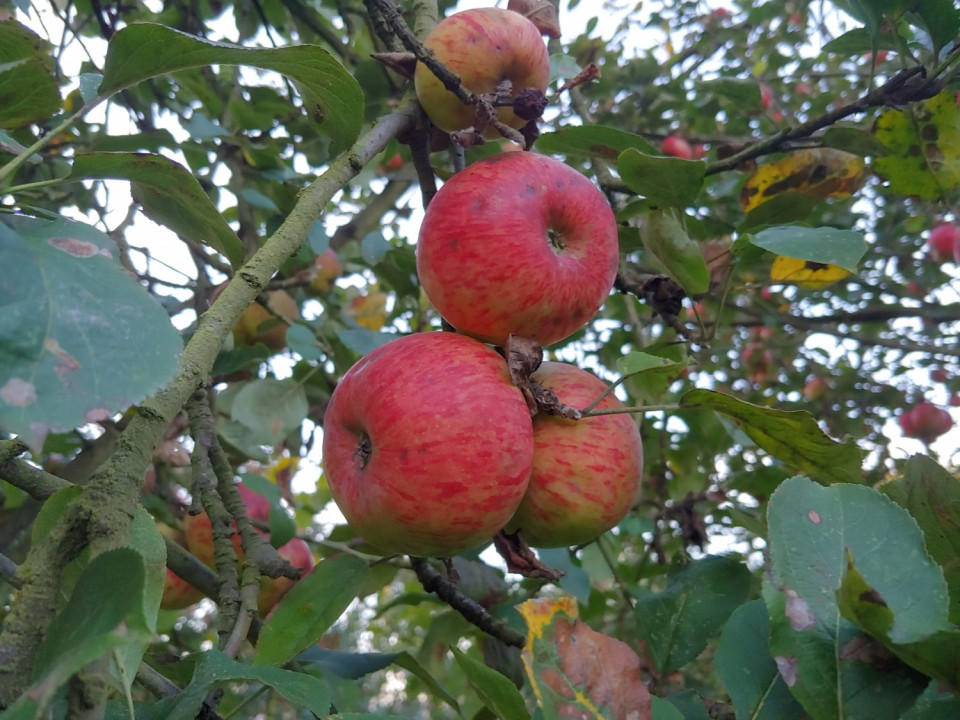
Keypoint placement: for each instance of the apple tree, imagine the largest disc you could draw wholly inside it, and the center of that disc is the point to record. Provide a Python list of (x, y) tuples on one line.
[(209, 212)]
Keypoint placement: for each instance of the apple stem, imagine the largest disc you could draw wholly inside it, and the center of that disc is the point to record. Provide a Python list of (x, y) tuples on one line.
[(625, 410), (588, 410)]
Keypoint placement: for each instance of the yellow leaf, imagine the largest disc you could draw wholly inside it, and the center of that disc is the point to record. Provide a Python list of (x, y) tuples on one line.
[(819, 173), (369, 311), (805, 273)]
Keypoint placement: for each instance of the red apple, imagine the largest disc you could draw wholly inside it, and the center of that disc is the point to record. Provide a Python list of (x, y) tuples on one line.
[(925, 421), (518, 243), (298, 554), (178, 593), (427, 445), (816, 388), (586, 473), (940, 375), (766, 96), (944, 242), (484, 47), (676, 146), (327, 268), (199, 533)]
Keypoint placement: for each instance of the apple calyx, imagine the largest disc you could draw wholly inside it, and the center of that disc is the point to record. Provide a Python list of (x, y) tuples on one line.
[(364, 450)]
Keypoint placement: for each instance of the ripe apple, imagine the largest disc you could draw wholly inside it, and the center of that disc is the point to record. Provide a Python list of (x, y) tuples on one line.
[(178, 593), (199, 533), (944, 242), (586, 473), (484, 47), (766, 96), (257, 324), (676, 146), (925, 421), (327, 268), (518, 243), (427, 445), (298, 554)]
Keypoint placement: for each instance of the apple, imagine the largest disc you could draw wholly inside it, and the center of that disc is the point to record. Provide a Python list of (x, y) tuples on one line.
[(925, 421), (676, 146), (484, 47), (199, 533), (327, 269), (427, 445), (944, 242), (257, 324), (586, 473), (816, 388), (178, 593), (940, 375), (518, 243), (766, 96), (298, 554)]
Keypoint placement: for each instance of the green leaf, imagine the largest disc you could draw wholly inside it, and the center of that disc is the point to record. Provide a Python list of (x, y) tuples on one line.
[(94, 620), (282, 526), (663, 710), (563, 66), (677, 623), (672, 250), (745, 93), (935, 704), (853, 140), (591, 141), (689, 703), (331, 97), (791, 436), (859, 41), (785, 207), (924, 144), (495, 690), (214, 668), (665, 181), (347, 665), (309, 608), (270, 408), (169, 194), (361, 340), (747, 670), (940, 19), (69, 318), (825, 245), (932, 497), (28, 89)]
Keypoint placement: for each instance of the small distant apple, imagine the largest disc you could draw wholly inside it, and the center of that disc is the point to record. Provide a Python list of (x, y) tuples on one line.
[(766, 96), (178, 593), (816, 388), (677, 147), (925, 421), (944, 242), (939, 375), (298, 554), (328, 268), (259, 325), (199, 533)]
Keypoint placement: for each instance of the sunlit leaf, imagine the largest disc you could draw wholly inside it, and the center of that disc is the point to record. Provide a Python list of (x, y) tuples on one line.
[(924, 144), (820, 173)]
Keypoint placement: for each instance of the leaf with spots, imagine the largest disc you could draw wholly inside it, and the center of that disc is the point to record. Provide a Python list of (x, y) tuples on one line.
[(699, 597), (80, 340), (830, 665), (577, 672), (924, 144), (819, 173)]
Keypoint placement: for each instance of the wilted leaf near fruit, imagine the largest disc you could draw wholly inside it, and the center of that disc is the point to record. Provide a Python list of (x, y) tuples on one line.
[(541, 13), (27, 85), (79, 338), (665, 181), (820, 173), (791, 436), (932, 497), (592, 141), (331, 97), (577, 672), (811, 531), (670, 249), (168, 193), (699, 597), (747, 670), (924, 144)]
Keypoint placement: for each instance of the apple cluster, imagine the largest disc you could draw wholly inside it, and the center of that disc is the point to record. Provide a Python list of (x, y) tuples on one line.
[(429, 446)]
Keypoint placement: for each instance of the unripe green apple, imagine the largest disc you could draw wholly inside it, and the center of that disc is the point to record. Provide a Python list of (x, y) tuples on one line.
[(427, 445), (484, 47), (586, 473)]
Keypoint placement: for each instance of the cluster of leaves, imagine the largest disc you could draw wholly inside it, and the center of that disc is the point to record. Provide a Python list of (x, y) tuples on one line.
[(770, 571)]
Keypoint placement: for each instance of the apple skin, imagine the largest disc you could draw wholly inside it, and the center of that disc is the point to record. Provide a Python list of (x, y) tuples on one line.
[(484, 47), (488, 258), (586, 473), (944, 242), (427, 445), (328, 268), (925, 422), (199, 533), (676, 146), (298, 554), (178, 593)]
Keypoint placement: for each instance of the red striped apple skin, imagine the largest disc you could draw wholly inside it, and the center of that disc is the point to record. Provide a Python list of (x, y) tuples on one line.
[(427, 445), (586, 473), (518, 243), (484, 47)]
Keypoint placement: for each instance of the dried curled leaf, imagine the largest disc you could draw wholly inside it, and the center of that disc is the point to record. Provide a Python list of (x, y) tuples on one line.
[(541, 13), (819, 173), (576, 672), (521, 559), (524, 356)]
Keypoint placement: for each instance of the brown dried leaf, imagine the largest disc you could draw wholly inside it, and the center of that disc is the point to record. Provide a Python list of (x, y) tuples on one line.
[(402, 63), (521, 559), (541, 13), (590, 73), (574, 670), (524, 356), (818, 173)]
